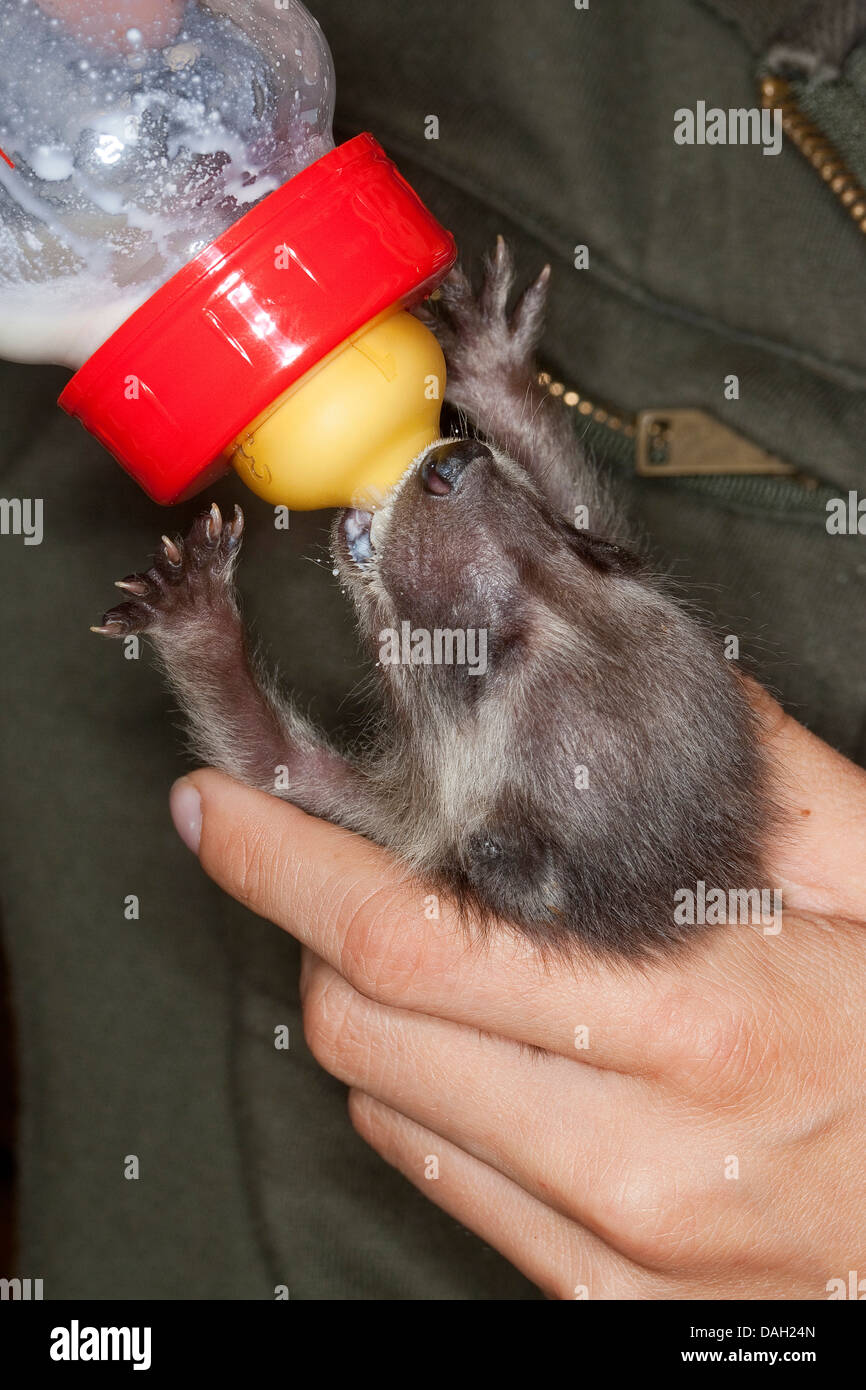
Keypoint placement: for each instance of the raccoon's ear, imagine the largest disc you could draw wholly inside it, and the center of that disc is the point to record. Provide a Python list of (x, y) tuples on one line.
[(601, 554)]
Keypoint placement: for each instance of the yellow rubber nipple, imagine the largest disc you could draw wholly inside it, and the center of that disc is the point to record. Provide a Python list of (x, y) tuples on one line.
[(347, 431)]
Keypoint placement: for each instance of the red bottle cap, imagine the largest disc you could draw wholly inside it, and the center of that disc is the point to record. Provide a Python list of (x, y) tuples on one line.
[(230, 332)]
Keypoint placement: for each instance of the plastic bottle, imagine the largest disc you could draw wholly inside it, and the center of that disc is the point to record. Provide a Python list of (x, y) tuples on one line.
[(233, 289)]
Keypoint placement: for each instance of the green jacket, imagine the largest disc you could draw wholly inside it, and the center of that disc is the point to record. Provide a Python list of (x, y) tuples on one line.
[(154, 1036)]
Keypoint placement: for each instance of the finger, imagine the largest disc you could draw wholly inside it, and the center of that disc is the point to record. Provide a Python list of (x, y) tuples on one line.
[(572, 1132), (823, 801), (108, 24), (641, 1171), (355, 907), (560, 1257)]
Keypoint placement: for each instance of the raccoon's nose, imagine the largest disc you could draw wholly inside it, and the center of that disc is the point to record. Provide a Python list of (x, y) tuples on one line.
[(444, 466)]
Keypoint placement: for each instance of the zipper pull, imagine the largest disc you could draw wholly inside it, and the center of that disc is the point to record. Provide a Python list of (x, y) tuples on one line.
[(677, 443)]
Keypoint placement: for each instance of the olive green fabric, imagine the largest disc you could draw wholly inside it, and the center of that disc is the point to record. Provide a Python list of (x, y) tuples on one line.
[(155, 1036), (839, 108)]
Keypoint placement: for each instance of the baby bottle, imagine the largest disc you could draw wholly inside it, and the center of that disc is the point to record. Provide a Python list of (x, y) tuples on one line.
[(177, 225)]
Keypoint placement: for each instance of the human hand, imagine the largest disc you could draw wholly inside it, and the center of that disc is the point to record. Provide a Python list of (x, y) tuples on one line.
[(693, 1128)]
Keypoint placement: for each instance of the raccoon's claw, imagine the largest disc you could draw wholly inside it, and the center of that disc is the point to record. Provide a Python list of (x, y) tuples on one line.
[(498, 275), (171, 552), (126, 618), (132, 585), (186, 577), (528, 315)]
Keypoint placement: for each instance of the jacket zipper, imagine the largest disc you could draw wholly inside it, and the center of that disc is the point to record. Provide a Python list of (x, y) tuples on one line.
[(649, 445), (813, 145), (691, 443), (681, 442)]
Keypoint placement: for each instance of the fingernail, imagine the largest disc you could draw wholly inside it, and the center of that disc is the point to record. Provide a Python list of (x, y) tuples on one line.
[(185, 805)]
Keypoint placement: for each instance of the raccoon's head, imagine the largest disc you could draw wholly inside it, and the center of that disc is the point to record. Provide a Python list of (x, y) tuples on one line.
[(467, 541)]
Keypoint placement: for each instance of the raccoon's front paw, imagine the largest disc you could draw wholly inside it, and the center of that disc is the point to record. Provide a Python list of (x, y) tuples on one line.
[(484, 345), (188, 577)]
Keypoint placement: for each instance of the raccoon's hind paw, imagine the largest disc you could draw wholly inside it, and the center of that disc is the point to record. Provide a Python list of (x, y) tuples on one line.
[(482, 342), (187, 577)]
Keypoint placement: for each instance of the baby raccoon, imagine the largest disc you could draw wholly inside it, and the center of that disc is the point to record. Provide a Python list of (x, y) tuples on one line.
[(600, 757)]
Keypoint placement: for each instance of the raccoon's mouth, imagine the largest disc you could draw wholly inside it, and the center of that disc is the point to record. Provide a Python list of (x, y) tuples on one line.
[(357, 527), (363, 532)]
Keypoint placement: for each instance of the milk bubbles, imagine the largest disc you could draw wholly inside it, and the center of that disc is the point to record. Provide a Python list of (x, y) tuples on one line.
[(129, 163)]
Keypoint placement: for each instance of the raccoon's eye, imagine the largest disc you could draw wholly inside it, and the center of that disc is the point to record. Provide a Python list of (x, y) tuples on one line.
[(598, 552)]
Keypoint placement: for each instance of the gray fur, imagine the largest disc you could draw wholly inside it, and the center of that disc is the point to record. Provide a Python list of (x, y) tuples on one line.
[(470, 780)]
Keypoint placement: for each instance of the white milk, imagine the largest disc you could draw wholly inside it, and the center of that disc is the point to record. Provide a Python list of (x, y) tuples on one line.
[(62, 321)]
